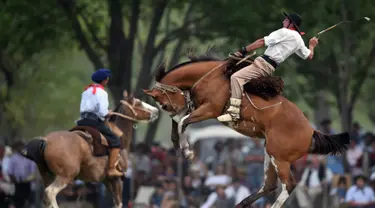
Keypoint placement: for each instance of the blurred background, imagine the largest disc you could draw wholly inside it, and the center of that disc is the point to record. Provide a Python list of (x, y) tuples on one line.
[(48, 50)]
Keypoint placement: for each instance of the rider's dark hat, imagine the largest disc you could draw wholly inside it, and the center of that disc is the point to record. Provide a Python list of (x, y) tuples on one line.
[(295, 19), (100, 75)]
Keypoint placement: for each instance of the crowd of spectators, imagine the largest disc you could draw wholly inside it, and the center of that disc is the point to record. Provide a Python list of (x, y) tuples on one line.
[(157, 178)]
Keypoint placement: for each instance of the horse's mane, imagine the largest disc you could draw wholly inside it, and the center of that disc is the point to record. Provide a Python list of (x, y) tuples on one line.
[(161, 71)]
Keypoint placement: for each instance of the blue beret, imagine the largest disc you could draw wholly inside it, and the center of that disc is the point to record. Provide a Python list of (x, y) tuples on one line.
[(100, 75)]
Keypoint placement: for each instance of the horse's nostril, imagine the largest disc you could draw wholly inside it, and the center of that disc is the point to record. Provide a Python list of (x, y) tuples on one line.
[(164, 107)]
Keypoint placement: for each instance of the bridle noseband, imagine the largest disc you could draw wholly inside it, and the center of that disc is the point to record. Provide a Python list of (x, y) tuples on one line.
[(188, 106)]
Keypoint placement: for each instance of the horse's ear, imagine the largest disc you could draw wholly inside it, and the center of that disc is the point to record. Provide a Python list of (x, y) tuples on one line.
[(125, 94)]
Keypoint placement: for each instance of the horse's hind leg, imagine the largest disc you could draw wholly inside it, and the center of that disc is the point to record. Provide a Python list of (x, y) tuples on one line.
[(115, 187), (269, 184), (52, 190), (287, 181)]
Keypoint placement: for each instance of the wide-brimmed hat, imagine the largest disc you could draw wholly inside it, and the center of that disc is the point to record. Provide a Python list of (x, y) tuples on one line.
[(295, 19)]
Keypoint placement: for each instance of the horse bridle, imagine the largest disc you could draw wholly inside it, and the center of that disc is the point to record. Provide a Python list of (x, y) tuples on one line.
[(164, 89), (132, 108), (189, 104)]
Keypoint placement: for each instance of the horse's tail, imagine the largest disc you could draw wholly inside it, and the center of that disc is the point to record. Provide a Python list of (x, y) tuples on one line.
[(329, 144), (34, 150)]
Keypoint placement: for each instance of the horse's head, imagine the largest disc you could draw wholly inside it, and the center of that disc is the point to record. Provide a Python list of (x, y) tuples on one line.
[(172, 88), (136, 109), (170, 100)]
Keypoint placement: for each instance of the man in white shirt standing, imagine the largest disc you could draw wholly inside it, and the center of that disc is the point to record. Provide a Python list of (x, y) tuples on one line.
[(280, 45), (360, 194), (94, 109)]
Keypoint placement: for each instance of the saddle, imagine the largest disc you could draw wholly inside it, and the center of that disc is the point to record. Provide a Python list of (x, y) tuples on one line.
[(96, 140)]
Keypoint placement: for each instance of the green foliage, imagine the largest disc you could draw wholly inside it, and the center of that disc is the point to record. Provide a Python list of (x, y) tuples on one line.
[(45, 92), (49, 98)]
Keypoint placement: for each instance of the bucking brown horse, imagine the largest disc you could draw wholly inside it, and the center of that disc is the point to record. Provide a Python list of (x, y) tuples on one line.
[(199, 89), (82, 152)]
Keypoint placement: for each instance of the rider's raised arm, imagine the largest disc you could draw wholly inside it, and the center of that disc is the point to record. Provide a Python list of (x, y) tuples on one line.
[(305, 52), (103, 102)]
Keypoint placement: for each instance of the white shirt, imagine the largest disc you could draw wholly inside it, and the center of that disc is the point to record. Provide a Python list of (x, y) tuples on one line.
[(240, 195), (365, 195), (353, 154), (314, 181), (284, 42), (95, 103)]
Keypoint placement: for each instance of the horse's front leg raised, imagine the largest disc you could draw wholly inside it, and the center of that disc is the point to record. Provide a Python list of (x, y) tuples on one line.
[(175, 137), (202, 113)]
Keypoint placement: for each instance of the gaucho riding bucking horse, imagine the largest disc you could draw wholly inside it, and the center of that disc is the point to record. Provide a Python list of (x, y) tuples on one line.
[(95, 150), (200, 89)]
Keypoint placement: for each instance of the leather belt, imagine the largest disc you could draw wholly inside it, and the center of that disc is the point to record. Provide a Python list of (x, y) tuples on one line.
[(269, 60), (90, 115)]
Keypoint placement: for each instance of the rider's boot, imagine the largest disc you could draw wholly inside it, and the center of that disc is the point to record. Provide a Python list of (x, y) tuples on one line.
[(113, 156), (233, 112)]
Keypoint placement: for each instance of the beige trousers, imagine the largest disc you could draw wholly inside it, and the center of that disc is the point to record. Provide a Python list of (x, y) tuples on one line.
[(259, 68)]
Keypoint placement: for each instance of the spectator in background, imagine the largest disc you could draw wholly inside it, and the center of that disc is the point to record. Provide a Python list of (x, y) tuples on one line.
[(5, 163), (255, 172), (237, 192), (335, 163), (142, 158), (191, 193), (353, 154), (356, 133), (219, 198), (233, 155), (360, 195), (4, 185), (220, 156), (173, 195), (338, 193), (21, 177), (157, 197), (326, 126), (312, 183), (368, 139)]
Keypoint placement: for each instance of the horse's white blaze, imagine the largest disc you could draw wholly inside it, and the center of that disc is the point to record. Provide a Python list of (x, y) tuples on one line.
[(282, 197), (154, 111)]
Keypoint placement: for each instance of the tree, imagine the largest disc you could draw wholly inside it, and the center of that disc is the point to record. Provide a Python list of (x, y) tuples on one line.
[(25, 32), (344, 59)]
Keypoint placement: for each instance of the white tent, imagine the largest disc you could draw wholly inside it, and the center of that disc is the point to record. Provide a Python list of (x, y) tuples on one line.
[(214, 131), (211, 132)]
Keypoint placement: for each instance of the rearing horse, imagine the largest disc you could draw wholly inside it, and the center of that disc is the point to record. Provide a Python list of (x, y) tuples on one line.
[(81, 153), (199, 89)]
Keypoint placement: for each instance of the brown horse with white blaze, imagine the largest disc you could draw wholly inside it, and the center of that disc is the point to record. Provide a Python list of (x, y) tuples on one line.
[(199, 89), (82, 152)]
